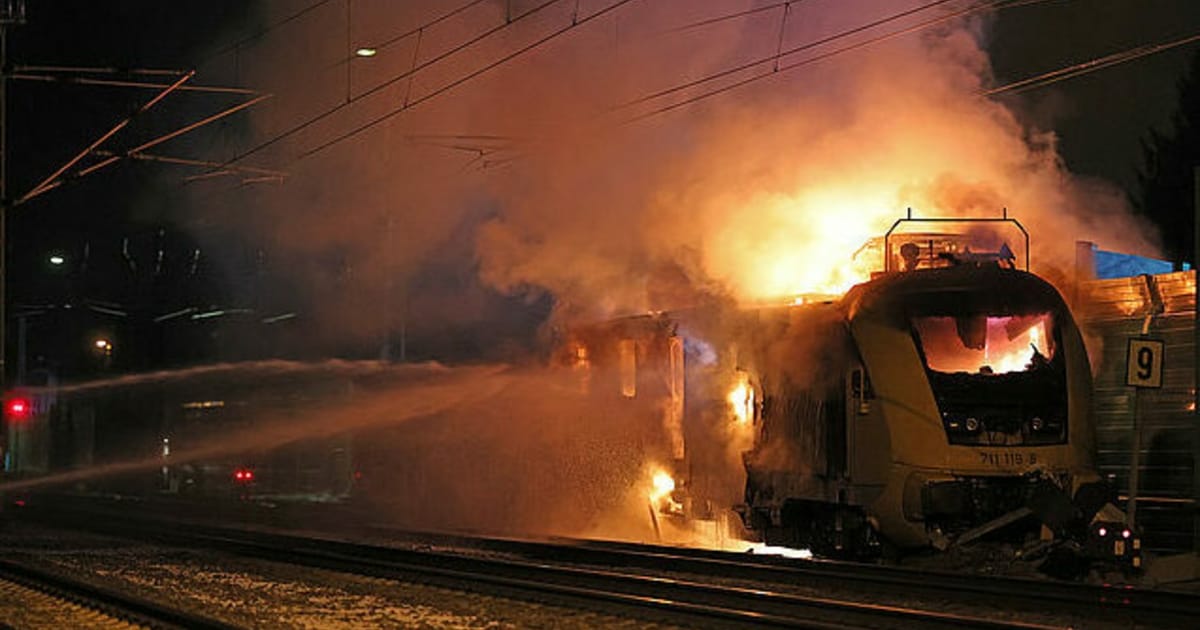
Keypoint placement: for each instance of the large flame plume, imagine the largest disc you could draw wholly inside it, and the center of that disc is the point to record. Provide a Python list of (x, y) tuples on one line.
[(768, 191)]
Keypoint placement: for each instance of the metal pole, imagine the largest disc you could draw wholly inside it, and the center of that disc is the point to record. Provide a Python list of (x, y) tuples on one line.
[(1135, 462), (1196, 367), (3, 189), (22, 332), (10, 13)]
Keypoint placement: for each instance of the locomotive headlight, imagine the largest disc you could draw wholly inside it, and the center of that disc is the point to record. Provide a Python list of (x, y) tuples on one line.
[(972, 424), (1037, 424)]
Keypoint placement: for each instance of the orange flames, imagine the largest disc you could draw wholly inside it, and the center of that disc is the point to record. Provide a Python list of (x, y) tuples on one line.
[(661, 492), (803, 243), (662, 484), (995, 345), (741, 400)]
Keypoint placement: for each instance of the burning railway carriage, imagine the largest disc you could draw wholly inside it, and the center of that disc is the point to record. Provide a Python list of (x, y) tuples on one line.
[(927, 407)]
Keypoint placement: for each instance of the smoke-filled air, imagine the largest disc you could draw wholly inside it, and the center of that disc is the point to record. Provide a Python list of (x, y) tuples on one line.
[(770, 189), (650, 152), (618, 157)]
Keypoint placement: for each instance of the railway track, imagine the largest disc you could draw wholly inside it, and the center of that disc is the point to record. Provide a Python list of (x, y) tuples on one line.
[(90, 605), (685, 601), (1139, 605)]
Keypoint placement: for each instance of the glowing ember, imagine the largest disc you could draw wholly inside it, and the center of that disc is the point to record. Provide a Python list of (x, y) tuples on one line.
[(741, 400), (662, 485), (786, 552), (661, 494)]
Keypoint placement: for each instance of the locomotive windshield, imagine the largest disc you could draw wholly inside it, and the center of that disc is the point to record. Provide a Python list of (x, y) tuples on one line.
[(983, 344), (998, 377)]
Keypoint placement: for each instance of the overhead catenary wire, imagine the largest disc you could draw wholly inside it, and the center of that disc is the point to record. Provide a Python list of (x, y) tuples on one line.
[(774, 59), (988, 6), (291, 131), (110, 133), (1046, 78), (730, 16), (1086, 67), (574, 22), (114, 157), (47, 73), (438, 20), (184, 129), (469, 76), (154, 157), (486, 151), (779, 54), (47, 78), (263, 31), (99, 70)]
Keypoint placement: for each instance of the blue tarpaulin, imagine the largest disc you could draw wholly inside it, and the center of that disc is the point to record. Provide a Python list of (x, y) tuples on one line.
[(1115, 265)]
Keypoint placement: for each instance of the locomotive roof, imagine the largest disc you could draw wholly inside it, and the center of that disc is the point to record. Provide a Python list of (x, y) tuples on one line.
[(959, 287)]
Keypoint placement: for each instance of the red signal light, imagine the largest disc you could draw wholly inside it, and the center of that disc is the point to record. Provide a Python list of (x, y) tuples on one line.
[(243, 475), (17, 408)]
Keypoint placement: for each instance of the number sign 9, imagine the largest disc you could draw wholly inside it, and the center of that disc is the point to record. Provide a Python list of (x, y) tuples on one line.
[(1143, 367)]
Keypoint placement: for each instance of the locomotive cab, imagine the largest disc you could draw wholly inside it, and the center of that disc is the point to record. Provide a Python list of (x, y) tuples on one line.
[(982, 381), (953, 403), (945, 398)]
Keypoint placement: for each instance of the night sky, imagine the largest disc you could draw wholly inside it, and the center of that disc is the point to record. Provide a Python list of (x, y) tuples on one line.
[(1100, 120)]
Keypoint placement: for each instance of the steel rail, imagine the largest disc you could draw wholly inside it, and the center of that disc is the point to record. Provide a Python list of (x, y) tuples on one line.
[(1003, 592), (601, 589), (1007, 591), (122, 606)]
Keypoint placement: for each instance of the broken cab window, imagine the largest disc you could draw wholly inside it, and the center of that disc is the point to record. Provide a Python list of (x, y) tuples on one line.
[(986, 344)]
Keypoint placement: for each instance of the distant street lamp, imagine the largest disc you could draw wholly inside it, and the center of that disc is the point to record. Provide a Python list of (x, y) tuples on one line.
[(104, 348), (57, 260)]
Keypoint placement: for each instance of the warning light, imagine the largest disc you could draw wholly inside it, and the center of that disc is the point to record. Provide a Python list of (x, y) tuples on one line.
[(17, 408), (243, 475)]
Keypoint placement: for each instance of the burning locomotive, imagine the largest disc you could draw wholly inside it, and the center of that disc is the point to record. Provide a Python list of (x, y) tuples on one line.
[(944, 400)]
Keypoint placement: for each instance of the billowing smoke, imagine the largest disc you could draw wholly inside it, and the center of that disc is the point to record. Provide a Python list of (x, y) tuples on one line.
[(770, 188), (558, 172)]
